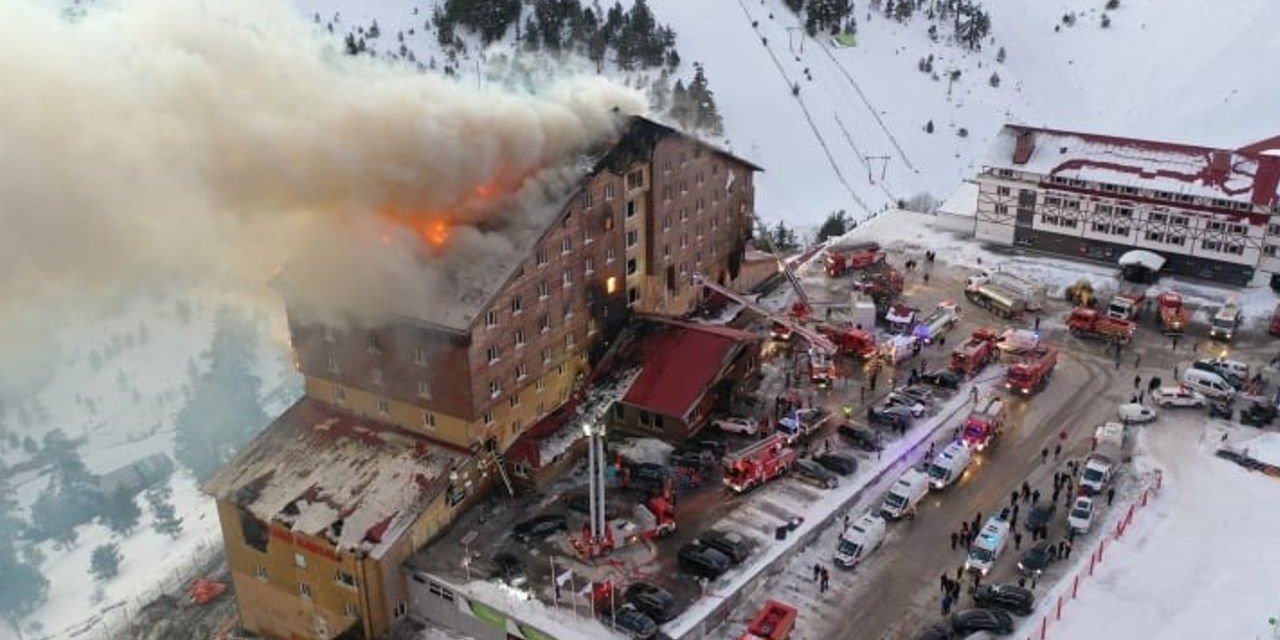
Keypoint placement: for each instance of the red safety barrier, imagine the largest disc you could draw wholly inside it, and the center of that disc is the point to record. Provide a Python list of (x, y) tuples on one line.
[(1093, 560), (1044, 627), (1059, 607), (1102, 544), (1144, 498), (1075, 587)]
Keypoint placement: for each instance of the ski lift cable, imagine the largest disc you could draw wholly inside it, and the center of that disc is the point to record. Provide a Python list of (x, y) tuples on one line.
[(866, 160), (874, 114)]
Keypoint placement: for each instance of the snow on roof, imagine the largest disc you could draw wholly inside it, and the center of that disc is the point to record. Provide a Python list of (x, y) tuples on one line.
[(680, 361), (1147, 259), (1234, 175), (962, 202), (592, 410), (315, 466)]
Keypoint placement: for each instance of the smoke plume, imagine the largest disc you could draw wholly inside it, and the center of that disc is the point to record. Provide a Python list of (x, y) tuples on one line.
[(177, 142)]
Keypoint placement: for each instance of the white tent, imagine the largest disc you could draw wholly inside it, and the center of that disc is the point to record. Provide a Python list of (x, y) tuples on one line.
[(1147, 259)]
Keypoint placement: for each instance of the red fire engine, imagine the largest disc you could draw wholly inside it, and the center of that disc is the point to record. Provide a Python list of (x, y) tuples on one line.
[(1031, 373), (852, 342), (975, 353), (774, 622), (1090, 323), (984, 425), (849, 259), (758, 463), (1174, 316), (656, 518)]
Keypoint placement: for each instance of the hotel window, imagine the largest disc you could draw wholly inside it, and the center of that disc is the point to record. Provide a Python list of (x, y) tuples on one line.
[(519, 338), (1103, 209), (684, 187), (569, 340), (608, 192), (540, 385), (1100, 227), (1174, 239), (568, 310), (543, 290), (684, 214), (402, 608), (1273, 229), (517, 305), (1158, 217), (541, 257), (1239, 229), (331, 363), (633, 238), (684, 240), (635, 180), (560, 369), (666, 223), (260, 572), (339, 394), (345, 579), (588, 236), (522, 371), (1124, 212), (376, 375), (631, 266), (1211, 245), (1071, 204), (488, 417), (1180, 221), (304, 590), (495, 388), (631, 209), (700, 205), (586, 198), (420, 356), (327, 332), (1119, 231), (633, 295), (1234, 249), (514, 400), (1153, 236), (492, 353), (1002, 191), (424, 389), (383, 407), (566, 245), (701, 177), (589, 265), (546, 355), (371, 344), (609, 255), (1002, 209), (544, 324), (428, 419), (566, 278), (491, 319), (666, 166)]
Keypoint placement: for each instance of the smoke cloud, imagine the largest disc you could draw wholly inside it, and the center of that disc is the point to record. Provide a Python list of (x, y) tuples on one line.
[(157, 143)]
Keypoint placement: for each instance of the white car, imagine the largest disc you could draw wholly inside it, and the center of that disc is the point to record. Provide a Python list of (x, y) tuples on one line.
[(896, 399), (1177, 397), (1080, 519), (737, 424), (1134, 413)]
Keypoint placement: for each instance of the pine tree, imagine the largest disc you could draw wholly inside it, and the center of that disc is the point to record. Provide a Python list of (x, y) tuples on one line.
[(1106, 21), (680, 109), (904, 10), (120, 512), (1000, 55), (164, 519), (1112, 5), (105, 562), (836, 224), (795, 5), (928, 127), (705, 115), (995, 79)]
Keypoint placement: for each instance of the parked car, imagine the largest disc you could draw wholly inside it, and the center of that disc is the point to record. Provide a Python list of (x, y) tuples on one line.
[(540, 527), (699, 560), (737, 424), (508, 568), (580, 502), (1258, 415), (1177, 397), (651, 600), (815, 474), (630, 619), (1233, 371), (1080, 519), (692, 458), (1040, 514), (1135, 413), (936, 632), (1009, 597), (942, 379), (922, 393), (895, 399), (894, 417), (971, 621), (707, 443), (864, 439), (730, 543), (843, 465), (1036, 558)]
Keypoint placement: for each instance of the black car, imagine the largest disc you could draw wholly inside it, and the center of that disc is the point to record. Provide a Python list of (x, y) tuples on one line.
[(864, 439), (1040, 515), (692, 458), (921, 393), (508, 568), (1258, 415), (942, 379), (1213, 366), (653, 601), (717, 447), (937, 632), (1221, 408), (731, 544), (633, 621), (895, 417), (843, 465), (971, 621), (702, 561), (540, 527), (580, 501), (1009, 597), (1036, 558)]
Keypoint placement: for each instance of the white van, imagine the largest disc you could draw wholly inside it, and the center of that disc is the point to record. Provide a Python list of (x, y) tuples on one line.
[(905, 494), (987, 546), (859, 540), (949, 465), (1210, 384)]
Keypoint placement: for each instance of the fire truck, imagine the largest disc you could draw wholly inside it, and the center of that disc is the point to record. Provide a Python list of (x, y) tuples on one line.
[(1089, 323), (1174, 316), (1003, 302), (1032, 371), (848, 259), (901, 318), (939, 321), (984, 425), (774, 622), (758, 463), (656, 518), (1126, 305), (822, 369), (852, 342), (1031, 293), (975, 353)]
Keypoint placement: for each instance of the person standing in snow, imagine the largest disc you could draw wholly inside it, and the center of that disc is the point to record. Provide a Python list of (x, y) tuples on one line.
[(954, 539)]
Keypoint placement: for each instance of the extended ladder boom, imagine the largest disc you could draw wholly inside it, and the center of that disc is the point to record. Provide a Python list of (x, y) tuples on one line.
[(782, 264), (816, 340)]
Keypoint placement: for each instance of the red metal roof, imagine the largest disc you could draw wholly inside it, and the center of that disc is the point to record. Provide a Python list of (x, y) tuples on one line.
[(680, 362)]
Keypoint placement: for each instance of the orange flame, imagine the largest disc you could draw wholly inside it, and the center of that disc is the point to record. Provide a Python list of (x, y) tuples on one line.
[(432, 229)]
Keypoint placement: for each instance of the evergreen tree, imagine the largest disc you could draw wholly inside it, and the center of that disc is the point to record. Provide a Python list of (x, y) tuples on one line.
[(705, 115), (1106, 21), (165, 519), (105, 562), (120, 512), (1000, 55), (795, 5), (928, 127), (681, 111), (836, 224), (224, 411), (783, 238), (1112, 5), (995, 79)]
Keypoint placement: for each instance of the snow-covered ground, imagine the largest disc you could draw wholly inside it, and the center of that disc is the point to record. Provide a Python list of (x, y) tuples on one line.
[(124, 408), (1199, 561)]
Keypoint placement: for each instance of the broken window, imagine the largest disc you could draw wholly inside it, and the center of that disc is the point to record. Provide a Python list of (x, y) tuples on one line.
[(254, 531), (635, 180)]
